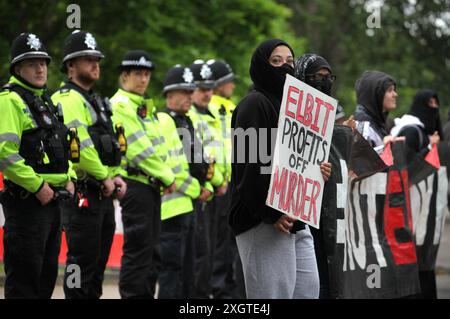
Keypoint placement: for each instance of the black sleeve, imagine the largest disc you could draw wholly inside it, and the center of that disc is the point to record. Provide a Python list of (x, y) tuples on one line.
[(252, 186), (412, 138)]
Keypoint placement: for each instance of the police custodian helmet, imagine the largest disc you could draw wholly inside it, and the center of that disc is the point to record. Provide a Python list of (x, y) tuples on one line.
[(77, 44), (203, 76), (222, 72), (136, 59), (179, 78), (27, 46)]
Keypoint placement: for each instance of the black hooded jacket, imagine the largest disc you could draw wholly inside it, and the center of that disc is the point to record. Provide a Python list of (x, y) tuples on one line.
[(370, 90), (258, 110), (417, 137)]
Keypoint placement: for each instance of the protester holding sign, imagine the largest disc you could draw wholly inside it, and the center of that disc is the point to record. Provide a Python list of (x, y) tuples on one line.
[(315, 71), (276, 250), (376, 96)]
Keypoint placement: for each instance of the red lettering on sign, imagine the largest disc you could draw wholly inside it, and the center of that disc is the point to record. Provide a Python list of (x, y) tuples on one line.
[(309, 104), (304, 199), (291, 100), (299, 106), (290, 194), (298, 202), (279, 186), (329, 108)]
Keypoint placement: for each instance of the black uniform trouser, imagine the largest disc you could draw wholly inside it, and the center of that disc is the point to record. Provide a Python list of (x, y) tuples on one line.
[(176, 277), (223, 280), (32, 239), (89, 233), (141, 218), (203, 253)]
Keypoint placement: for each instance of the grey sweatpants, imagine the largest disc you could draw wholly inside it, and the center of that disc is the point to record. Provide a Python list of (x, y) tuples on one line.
[(277, 265)]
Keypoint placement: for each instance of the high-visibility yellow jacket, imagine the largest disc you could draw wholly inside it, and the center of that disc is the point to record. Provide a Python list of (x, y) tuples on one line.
[(207, 128), (80, 114), (146, 149), (222, 109), (188, 187), (16, 118)]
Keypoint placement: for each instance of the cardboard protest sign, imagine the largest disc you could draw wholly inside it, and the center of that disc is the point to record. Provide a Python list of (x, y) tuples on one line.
[(305, 129)]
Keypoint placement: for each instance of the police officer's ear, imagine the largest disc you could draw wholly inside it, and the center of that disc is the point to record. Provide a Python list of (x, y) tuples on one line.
[(17, 68)]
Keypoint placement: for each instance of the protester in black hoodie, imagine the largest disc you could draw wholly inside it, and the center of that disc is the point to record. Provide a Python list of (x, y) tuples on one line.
[(277, 252), (315, 71), (376, 96), (421, 127)]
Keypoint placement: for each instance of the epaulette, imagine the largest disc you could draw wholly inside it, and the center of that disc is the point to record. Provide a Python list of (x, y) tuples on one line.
[(64, 91)]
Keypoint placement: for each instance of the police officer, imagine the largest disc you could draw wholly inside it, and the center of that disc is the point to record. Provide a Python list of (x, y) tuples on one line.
[(146, 173), (176, 278), (207, 129), (89, 227), (34, 157), (225, 259)]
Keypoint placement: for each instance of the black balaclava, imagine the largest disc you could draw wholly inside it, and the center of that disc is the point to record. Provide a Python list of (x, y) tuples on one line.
[(429, 116), (309, 64), (266, 78), (370, 90)]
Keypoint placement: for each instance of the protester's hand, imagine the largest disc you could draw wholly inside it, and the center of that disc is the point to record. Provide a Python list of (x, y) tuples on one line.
[(388, 139), (284, 224), (222, 190), (108, 187), (170, 189), (120, 187), (325, 169), (350, 122), (352, 174), (45, 194), (204, 195), (434, 139), (70, 186)]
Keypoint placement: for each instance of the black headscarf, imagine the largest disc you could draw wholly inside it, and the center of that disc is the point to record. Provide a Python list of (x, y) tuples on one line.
[(429, 116), (370, 90), (266, 78), (310, 63)]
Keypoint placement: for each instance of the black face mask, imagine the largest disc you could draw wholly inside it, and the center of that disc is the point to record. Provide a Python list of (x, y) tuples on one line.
[(285, 69), (323, 85), (266, 77), (429, 116), (280, 77)]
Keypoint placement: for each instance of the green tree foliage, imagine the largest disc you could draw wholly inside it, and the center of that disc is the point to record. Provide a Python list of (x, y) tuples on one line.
[(172, 31), (412, 44)]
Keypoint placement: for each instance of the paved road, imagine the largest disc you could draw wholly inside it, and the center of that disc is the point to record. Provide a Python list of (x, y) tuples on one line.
[(110, 289)]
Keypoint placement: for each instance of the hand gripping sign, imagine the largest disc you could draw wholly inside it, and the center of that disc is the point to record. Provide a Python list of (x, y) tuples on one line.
[(305, 128)]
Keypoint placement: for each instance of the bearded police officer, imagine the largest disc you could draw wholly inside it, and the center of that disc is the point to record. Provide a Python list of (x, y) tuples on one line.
[(90, 227), (146, 173), (34, 157)]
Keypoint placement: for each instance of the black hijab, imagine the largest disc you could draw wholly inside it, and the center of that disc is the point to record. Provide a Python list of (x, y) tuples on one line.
[(370, 90), (429, 116), (266, 78), (310, 63)]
